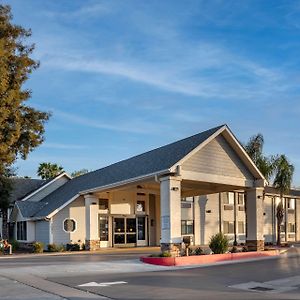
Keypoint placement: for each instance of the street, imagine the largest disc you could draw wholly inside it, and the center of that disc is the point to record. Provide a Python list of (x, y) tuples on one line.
[(111, 276)]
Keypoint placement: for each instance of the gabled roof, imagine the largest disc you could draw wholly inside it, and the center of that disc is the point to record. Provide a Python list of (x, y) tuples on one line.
[(21, 187), (151, 162), (29, 208), (155, 162)]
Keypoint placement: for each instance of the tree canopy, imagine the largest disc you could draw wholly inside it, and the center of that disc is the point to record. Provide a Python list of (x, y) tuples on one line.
[(47, 170), (266, 164), (21, 126), (79, 172)]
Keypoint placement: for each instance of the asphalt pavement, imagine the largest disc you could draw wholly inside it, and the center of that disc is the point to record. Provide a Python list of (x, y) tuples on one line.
[(120, 275)]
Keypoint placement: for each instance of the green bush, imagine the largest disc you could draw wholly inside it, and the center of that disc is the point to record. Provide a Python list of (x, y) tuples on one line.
[(38, 247), (55, 248), (165, 254), (218, 243), (15, 245), (73, 247), (195, 251)]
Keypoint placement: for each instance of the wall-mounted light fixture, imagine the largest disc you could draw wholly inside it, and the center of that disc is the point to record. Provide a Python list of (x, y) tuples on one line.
[(175, 188)]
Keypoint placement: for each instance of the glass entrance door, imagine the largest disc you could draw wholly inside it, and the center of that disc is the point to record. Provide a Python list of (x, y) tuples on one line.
[(141, 224), (125, 232), (104, 231)]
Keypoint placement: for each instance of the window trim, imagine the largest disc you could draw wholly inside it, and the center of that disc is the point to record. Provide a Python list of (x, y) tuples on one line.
[(185, 225), (26, 231), (63, 225)]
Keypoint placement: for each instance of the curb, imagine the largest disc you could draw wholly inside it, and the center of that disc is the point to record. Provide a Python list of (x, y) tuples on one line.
[(208, 259)]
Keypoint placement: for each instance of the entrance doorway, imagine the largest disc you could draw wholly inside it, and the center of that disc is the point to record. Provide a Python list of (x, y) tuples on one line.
[(129, 231)]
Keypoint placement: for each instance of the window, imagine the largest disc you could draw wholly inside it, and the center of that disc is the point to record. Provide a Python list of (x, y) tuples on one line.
[(22, 231), (228, 227), (103, 228), (103, 204), (291, 227), (187, 227), (291, 203), (69, 225), (140, 206), (241, 227), (228, 198), (241, 199)]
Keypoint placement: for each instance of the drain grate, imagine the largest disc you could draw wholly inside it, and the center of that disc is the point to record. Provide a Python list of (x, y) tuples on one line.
[(261, 289)]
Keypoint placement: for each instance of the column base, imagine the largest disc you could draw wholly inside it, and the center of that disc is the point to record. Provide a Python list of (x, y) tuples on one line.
[(92, 245), (173, 249), (255, 245)]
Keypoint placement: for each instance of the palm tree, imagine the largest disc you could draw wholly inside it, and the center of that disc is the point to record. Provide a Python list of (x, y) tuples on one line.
[(282, 182), (254, 148), (48, 170)]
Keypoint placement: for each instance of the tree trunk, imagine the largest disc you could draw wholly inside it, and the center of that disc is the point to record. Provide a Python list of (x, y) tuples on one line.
[(4, 224), (278, 234)]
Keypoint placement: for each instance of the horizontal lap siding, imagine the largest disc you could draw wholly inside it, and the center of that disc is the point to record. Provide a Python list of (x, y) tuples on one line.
[(42, 232), (217, 157)]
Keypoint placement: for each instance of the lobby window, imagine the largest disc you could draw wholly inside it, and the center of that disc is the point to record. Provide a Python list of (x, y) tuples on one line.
[(241, 227), (187, 227), (241, 199), (69, 225), (228, 227), (228, 198), (291, 227), (291, 204), (22, 231), (103, 204)]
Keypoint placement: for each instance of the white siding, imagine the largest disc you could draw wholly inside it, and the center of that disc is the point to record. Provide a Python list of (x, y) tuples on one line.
[(217, 157), (42, 232), (76, 211)]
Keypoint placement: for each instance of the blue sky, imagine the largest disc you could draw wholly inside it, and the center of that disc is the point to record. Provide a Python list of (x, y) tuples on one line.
[(123, 77)]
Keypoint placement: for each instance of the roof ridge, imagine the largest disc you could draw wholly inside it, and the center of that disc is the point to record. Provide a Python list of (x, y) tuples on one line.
[(154, 149)]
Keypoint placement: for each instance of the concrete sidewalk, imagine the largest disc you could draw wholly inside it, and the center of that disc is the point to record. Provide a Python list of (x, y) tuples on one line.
[(14, 290)]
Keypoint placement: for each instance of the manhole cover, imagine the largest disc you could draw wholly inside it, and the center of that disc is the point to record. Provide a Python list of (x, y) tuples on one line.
[(261, 289)]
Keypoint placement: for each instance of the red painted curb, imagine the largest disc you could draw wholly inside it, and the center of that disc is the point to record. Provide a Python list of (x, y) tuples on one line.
[(206, 259)]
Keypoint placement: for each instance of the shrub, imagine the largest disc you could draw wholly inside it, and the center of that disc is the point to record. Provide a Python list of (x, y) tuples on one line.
[(245, 249), (55, 248), (15, 245), (234, 249), (38, 247), (218, 243), (165, 254), (73, 247), (196, 251)]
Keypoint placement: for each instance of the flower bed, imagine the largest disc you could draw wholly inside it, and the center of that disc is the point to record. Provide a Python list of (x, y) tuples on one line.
[(206, 259)]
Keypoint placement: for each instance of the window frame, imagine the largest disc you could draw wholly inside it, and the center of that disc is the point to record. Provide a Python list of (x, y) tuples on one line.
[(229, 222), (20, 236), (184, 223), (63, 225)]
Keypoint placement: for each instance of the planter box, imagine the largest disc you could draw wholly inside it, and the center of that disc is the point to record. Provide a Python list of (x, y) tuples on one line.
[(206, 259)]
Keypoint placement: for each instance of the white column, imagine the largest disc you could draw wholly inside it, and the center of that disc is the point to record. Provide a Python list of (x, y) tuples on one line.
[(91, 221), (255, 219), (197, 225), (170, 207)]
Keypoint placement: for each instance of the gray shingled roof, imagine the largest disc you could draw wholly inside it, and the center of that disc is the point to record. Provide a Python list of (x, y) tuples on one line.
[(149, 162), (29, 208), (21, 187)]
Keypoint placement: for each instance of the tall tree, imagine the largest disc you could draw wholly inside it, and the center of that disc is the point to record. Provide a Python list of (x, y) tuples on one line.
[(282, 182), (254, 148), (49, 170), (21, 126)]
